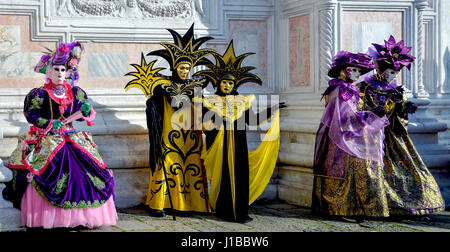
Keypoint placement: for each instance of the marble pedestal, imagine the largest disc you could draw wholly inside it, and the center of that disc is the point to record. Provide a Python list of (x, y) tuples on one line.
[(424, 131), (9, 216)]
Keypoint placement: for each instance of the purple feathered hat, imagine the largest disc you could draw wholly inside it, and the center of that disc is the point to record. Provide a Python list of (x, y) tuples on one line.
[(345, 59), (391, 55), (60, 56)]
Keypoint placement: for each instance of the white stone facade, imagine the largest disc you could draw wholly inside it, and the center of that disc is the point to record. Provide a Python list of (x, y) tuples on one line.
[(294, 41)]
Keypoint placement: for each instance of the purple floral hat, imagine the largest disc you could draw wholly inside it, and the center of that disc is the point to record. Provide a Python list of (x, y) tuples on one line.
[(345, 59), (391, 55), (61, 56)]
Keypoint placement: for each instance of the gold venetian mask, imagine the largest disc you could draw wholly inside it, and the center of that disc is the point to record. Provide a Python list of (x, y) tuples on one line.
[(226, 86), (183, 70)]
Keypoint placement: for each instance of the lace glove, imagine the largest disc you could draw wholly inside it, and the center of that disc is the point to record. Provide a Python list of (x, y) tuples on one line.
[(86, 109)]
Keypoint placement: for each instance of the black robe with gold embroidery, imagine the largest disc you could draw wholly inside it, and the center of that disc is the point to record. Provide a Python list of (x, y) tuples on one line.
[(177, 150), (234, 192), (409, 185)]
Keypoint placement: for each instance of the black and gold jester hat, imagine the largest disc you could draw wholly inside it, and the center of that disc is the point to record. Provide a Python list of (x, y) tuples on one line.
[(229, 64), (184, 49)]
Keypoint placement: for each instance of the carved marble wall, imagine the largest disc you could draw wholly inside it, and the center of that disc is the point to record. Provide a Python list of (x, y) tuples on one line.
[(183, 9), (299, 46), (445, 10), (352, 25), (115, 33), (294, 41)]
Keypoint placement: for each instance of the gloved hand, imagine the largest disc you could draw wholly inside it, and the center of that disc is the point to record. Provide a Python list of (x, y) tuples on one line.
[(86, 109), (282, 105), (397, 97), (57, 124), (400, 89), (410, 107)]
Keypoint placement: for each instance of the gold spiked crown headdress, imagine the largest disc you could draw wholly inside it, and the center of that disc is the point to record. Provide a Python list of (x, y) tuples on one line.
[(147, 77), (184, 49), (229, 64)]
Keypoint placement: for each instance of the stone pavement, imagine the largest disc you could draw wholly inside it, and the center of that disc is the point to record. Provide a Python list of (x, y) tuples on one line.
[(267, 217)]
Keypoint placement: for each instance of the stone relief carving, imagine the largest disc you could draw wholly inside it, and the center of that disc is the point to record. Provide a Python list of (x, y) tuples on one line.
[(8, 45), (92, 7), (158, 8), (130, 8), (13, 62), (8, 49)]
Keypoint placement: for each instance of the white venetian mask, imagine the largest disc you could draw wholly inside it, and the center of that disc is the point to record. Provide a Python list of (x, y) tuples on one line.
[(353, 73), (56, 73), (390, 75)]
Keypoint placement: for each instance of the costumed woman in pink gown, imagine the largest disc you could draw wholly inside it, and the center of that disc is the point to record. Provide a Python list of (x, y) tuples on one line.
[(60, 179)]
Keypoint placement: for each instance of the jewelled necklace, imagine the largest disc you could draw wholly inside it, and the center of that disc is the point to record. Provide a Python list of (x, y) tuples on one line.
[(59, 90)]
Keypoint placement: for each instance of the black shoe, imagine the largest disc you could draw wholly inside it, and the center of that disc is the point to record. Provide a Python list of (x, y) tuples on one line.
[(245, 220), (157, 213)]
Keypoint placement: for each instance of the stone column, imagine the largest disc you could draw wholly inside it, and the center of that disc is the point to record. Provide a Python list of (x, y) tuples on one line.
[(424, 128), (326, 39), (9, 216), (419, 91)]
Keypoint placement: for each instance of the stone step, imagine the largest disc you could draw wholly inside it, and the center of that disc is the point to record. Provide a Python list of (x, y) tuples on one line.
[(437, 161), (433, 149)]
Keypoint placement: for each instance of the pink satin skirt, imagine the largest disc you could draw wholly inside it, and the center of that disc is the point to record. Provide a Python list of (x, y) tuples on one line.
[(37, 212)]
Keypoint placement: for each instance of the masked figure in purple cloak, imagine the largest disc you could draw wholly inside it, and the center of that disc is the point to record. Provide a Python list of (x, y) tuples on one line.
[(348, 158), (60, 179), (410, 187)]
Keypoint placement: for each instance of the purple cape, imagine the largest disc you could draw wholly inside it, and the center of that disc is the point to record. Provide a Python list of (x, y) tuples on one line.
[(358, 133)]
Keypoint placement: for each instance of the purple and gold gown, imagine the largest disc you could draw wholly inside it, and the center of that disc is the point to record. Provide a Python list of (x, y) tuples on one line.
[(409, 185), (60, 179), (348, 158)]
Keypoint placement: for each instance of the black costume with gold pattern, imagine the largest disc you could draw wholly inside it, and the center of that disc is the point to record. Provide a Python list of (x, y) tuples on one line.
[(410, 187), (175, 147), (237, 176)]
